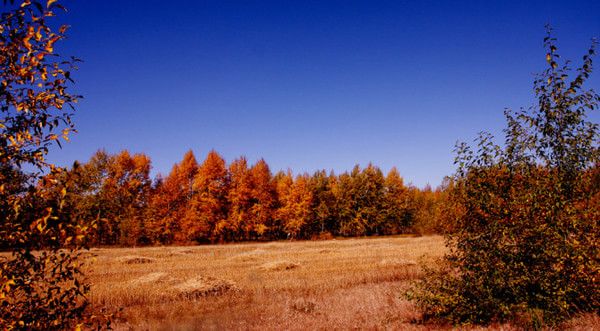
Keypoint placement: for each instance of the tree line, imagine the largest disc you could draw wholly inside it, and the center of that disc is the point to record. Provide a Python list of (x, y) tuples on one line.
[(214, 201)]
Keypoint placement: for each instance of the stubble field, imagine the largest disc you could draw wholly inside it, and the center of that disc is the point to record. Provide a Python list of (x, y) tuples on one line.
[(303, 285), (343, 284)]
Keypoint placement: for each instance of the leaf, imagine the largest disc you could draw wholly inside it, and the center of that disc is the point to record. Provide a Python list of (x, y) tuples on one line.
[(63, 29)]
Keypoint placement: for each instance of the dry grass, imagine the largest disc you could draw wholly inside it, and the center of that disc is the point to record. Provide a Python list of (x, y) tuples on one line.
[(130, 259), (333, 284), (204, 286), (279, 266)]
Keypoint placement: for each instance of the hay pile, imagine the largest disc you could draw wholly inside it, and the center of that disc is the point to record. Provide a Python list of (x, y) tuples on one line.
[(204, 286), (279, 266), (249, 255), (155, 277), (132, 259)]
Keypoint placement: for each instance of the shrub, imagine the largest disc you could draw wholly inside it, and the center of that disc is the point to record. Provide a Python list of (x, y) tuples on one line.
[(525, 247)]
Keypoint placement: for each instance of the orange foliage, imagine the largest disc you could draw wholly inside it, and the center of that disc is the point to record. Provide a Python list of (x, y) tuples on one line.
[(208, 205), (213, 202), (260, 221), (295, 199), (170, 201)]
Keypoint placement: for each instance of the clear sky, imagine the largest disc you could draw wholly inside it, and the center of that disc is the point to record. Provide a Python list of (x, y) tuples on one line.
[(309, 84)]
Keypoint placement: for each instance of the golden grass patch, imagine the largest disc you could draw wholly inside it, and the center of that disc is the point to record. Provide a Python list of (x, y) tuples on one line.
[(339, 284), (204, 286), (279, 266), (331, 284), (151, 278), (131, 259)]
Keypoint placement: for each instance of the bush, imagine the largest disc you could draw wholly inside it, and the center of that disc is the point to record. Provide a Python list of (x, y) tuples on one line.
[(525, 247)]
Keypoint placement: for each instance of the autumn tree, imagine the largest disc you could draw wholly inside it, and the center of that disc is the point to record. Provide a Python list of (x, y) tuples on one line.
[(171, 199), (295, 199), (526, 246), (449, 208), (424, 209), (128, 183), (208, 204), (345, 196), (263, 199), (90, 197), (371, 192), (323, 218), (45, 290), (113, 192), (397, 218), (359, 201), (240, 200)]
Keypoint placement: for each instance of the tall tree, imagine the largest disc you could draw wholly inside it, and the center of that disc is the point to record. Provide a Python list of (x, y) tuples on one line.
[(240, 200), (395, 204), (209, 202), (323, 203), (423, 207), (129, 179), (346, 196), (295, 199), (359, 196), (371, 198), (113, 190), (171, 200), (263, 201)]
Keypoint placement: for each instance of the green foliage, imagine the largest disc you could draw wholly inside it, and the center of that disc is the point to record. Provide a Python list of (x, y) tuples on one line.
[(525, 246), (367, 204), (322, 207)]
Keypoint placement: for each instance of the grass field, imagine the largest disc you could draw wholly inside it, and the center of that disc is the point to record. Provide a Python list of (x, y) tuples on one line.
[(333, 284)]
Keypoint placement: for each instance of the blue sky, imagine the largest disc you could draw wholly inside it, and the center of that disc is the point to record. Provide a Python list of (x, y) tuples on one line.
[(309, 85)]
